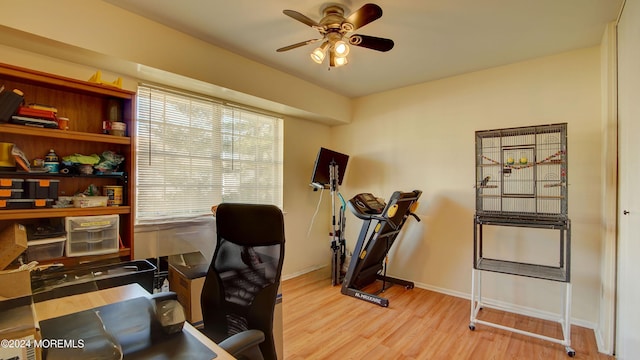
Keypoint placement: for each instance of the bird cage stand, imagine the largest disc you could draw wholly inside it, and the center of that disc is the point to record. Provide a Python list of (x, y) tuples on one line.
[(521, 181)]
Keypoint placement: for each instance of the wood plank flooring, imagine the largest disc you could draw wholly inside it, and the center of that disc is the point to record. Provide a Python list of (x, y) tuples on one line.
[(321, 323)]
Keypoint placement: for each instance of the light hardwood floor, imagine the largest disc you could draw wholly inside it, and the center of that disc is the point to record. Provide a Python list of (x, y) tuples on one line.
[(321, 323)]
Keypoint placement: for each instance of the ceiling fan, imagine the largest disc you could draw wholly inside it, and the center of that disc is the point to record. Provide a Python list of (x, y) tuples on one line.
[(334, 28)]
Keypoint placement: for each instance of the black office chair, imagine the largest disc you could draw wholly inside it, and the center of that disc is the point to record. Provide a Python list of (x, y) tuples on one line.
[(241, 286)]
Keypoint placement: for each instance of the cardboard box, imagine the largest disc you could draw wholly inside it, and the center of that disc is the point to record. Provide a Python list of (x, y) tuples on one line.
[(14, 284), (186, 278), (18, 322), (18, 325), (13, 242)]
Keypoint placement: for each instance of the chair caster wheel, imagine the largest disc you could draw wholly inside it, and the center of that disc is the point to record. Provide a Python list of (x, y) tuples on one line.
[(472, 326), (571, 352)]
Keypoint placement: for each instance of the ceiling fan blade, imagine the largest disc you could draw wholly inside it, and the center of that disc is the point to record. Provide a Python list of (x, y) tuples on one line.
[(297, 45), (366, 14), (371, 42), (302, 18)]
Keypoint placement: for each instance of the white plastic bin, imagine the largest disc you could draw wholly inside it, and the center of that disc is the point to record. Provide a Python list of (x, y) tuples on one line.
[(45, 249), (92, 235)]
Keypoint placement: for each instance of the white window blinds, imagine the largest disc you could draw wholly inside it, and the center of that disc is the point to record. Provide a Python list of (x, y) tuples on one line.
[(193, 152)]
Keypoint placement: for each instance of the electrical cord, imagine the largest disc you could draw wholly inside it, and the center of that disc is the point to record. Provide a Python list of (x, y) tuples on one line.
[(313, 218), (29, 266)]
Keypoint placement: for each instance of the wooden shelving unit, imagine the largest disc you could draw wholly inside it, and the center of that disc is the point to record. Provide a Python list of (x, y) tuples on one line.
[(87, 105)]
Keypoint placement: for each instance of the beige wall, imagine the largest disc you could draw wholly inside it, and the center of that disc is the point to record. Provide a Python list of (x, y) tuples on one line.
[(307, 237), (422, 137), (419, 137), (103, 35)]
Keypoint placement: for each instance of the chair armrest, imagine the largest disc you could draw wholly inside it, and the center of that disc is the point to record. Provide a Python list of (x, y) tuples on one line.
[(244, 344)]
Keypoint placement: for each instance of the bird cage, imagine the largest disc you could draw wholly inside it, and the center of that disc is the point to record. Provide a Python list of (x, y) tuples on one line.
[(522, 172)]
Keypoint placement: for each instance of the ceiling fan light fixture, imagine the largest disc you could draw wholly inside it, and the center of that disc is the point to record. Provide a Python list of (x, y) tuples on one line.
[(335, 61), (319, 53), (317, 56), (340, 48), (339, 61)]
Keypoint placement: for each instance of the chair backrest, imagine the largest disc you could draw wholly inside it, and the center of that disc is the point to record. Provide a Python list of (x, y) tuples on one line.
[(241, 285)]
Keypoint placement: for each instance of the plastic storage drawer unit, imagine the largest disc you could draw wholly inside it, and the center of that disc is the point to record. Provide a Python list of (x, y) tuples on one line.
[(11, 183), (41, 189), (45, 249), (11, 193), (16, 204), (92, 235)]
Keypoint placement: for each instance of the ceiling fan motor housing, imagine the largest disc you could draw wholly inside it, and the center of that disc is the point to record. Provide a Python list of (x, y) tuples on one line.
[(333, 21)]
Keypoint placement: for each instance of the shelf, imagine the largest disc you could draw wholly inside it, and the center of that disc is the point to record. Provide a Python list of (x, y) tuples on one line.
[(61, 82), (63, 134), (70, 261), (520, 219), (522, 269), (61, 212), (10, 174), (555, 197)]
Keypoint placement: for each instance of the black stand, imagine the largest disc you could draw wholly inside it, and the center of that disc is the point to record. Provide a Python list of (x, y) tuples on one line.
[(370, 254), (338, 244)]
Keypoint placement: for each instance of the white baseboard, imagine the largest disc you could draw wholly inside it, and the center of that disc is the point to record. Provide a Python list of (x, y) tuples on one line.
[(601, 343), (517, 309), (302, 272)]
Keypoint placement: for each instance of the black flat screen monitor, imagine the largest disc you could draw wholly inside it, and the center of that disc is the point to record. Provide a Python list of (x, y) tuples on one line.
[(324, 159)]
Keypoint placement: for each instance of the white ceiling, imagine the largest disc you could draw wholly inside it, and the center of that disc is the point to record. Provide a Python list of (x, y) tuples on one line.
[(433, 38)]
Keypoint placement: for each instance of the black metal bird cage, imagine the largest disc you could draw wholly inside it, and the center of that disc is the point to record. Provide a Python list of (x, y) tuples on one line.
[(522, 172)]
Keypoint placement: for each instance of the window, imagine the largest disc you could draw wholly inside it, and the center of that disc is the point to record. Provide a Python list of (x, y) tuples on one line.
[(193, 152)]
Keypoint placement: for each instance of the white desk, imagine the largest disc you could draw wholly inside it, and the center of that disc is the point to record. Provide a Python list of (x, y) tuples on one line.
[(75, 303)]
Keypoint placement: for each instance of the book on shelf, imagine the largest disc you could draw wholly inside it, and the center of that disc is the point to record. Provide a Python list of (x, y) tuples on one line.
[(36, 113), (32, 121), (43, 107)]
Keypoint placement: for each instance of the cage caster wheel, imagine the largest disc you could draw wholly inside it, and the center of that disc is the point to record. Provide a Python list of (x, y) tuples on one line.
[(472, 326), (408, 287), (570, 352)]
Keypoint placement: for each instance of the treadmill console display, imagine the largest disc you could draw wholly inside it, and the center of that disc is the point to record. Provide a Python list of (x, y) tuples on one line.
[(368, 204)]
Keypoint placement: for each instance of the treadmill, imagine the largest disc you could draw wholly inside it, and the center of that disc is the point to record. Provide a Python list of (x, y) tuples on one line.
[(368, 262)]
